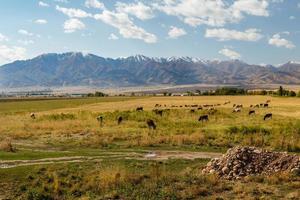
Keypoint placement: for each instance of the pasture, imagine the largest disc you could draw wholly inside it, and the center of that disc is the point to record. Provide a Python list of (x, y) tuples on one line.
[(67, 153)]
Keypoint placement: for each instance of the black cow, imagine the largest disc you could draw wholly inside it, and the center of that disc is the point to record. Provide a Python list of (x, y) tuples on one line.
[(251, 112), (239, 106), (266, 105), (120, 119), (203, 118), (100, 120), (158, 112), (151, 124), (139, 109), (268, 116)]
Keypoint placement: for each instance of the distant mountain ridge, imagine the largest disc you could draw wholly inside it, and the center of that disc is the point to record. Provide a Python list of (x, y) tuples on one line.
[(77, 69)]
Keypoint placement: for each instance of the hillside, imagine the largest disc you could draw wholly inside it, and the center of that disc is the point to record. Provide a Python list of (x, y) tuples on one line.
[(77, 69)]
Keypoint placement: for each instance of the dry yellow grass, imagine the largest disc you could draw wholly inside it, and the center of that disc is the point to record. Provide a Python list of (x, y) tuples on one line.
[(282, 106), (178, 128)]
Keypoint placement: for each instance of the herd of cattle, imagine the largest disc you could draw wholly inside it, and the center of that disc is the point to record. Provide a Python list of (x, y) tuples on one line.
[(211, 108)]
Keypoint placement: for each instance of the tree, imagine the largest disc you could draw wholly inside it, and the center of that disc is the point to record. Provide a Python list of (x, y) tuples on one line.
[(292, 94), (280, 91)]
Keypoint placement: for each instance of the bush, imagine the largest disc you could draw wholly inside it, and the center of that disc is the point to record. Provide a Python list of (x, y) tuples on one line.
[(7, 146), (62, 116)]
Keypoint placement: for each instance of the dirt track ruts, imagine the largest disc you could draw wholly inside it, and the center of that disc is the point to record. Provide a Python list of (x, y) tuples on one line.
[(155, 155)]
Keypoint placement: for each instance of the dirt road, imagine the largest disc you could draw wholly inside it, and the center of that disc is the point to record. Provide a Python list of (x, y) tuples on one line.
[(154, 155)]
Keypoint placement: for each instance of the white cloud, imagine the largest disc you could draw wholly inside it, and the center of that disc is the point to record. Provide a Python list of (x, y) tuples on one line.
[(138, 10), (72, 25), (43, 4), (277, 41), (40, 21), (250, 7), (212, 12), (62, 1), (176, 32), (3, 38), (292, 17), (72, 12), (226, 34), (125, 26), (8, 54), (230, 53), (94, 4), (113, 37), (26, 42), (25, 32)]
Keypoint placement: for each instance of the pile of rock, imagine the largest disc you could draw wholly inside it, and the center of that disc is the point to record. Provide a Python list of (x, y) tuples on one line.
[(243, 161)]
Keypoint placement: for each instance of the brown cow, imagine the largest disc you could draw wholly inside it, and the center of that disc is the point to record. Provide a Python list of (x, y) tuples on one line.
[(32, 115)]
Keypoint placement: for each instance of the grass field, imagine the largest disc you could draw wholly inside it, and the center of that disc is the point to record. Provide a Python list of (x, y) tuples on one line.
[(83, 159)]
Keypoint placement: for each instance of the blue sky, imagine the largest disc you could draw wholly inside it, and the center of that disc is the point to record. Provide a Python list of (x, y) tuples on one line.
[(255, 31)]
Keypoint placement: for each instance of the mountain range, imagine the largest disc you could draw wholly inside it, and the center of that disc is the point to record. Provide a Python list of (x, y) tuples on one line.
[(78, 69)]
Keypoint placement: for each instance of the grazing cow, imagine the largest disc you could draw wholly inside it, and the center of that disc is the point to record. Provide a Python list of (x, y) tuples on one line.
[(200, 108), (100, 120), (268, 116), (236, 110), (32, 115), (266, 105), (227, 102), (256, 106), (239, 106), (251, 112), (261, 104), (233, 105), (203, 118), (157, 105), (151, 124), (158, 112), (212, 111), (139, 109), (120, 119)]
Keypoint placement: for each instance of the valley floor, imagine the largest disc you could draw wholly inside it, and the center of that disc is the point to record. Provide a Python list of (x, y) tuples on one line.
[(65, 153)]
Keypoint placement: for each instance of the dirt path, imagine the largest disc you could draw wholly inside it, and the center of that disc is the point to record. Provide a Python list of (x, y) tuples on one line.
[(155, 155)]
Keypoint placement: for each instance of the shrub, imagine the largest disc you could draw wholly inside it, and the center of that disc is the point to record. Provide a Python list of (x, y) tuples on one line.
[(61, 116), (7, 146)]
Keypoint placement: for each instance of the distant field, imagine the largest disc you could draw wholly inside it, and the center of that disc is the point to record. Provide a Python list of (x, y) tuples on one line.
[(81, 158), (36, 105)]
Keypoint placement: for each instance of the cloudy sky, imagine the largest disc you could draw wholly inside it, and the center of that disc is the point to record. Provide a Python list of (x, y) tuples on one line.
[(255, 31)]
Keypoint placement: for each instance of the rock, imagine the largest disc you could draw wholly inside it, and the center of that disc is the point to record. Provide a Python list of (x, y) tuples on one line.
[(239, 162)]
